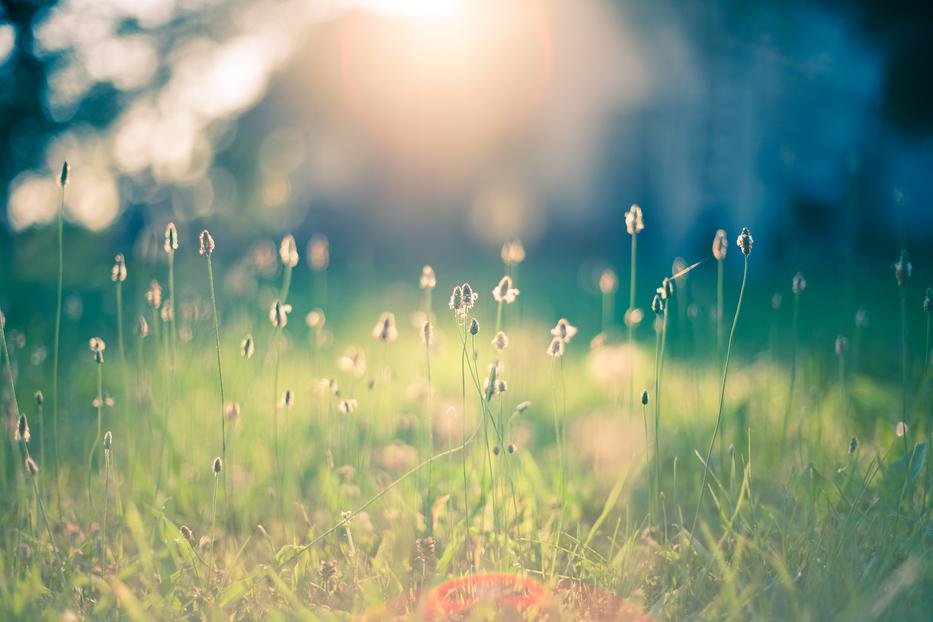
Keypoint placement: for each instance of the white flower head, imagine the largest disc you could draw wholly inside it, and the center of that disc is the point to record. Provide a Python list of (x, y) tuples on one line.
[(504, 292), (563, 330), (385, 329)]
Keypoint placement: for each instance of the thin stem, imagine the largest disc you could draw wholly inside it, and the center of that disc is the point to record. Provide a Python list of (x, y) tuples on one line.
[(720, 307), (220, 371), (120, 345), (722, 393), (210, 568), (793, 371), (106, 509), (657, 420), (100, 409), (57, 339)]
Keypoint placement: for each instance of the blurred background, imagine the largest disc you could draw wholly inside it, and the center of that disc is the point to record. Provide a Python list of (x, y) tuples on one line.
[(412, 131)]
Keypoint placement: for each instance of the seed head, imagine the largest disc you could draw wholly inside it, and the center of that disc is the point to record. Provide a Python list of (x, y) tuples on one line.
[(167, 312), (63, 176), (328, 569), (385, 329), (634, 317), (353, 362), (31, 467), (207, 243), (288, 251), (522, 407), (720, 245), (504, 292), (474, 327), (142, 327), (232, 411), (633, 220), (247, 347), (902, 269), (427, 333), (319, 252), (556, 348), (118, 272), (97, 346), (456, 298), (428, 279), (288, 398), (315, 319), (608, 282), (776, 301), (108, 440), (901, 429), (278, 314), (171, 238), (644, 397), (496, 450), (928, 301), (513, 253), (842, 344), (347, 406), (512, 448), (861, 317), (657, 304), (798, 284), (217, 466), (745, 241), (154, 295), (39, 398), (22, 429), (186, 533), (563, 330), (853, 444), (500, 341), (667, 288)]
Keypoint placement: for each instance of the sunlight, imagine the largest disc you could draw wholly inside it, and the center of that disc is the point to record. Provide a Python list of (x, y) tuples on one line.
[(415, 9)]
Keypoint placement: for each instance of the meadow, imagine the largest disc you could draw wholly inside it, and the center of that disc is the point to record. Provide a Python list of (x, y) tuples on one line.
[(245, 435)]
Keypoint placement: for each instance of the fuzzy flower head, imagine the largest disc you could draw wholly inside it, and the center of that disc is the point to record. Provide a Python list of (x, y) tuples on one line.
[(232, 411), (247, 347), (217, 466), (462, 300), (97, 346), (288, 399), (385, 329), (644, 397), (427, 333), (798, 283), (556, 348), (513, 253), (347, 406), (353, 362), (171, 238), (658, 304), (504, 292), (315, 319), (563, 330), (500, 341), (288, 251), (319, 252), (428, 279), (142, 327), (608, 282), (900, 429), (633, 220), (720, 245), (861, 318), (22, 429), (928, 301), (667, 289), (206, 243), (745, 241), (118, 272), (902, 269), (154, 295), (842, 344), (853, 444), (474, 327), (108, 440), (278, 314), (63, 176)]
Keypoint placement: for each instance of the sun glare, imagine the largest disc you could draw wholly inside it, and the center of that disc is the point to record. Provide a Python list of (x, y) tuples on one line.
[(415, 9)]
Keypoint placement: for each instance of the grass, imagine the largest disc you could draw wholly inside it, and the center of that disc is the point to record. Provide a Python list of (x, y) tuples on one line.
[(569, 493)]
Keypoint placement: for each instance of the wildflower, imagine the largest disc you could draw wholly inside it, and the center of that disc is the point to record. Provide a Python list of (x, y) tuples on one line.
[(318, 252), (154, 295), (853, 444), (644, 397), (385, 330), (556, 348), (22, 429), (474, 327), (330, 384), (901, 429), (247, 347), (861, 317), (842, 345), (928, 301), (207, 243), (563, 330), (427, 333), (496, 450), (97, 346), (40, 398), (278, 314), (512, 448), (171, 238), (347, 406), (798, 283), (776, 301), (500, 341), (167, 312), (522, 407), (513, 253), (720, 245), (428, 279), (633, 220), (31, 467), (142, 327), (608, 281), (903, 269), (186, 533), (504, 292), (667, 288), (288, 251), (745, 241), (217, 466), (288, 398), (328, 569), (634, 317), (353, 361), (63, 176), (108, 440), (456, 299), (501, 386), (118, 272), (657, 304), (315, 319), (232, 411)]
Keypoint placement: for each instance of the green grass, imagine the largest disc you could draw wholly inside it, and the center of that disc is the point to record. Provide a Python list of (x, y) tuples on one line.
[(807, 532)]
